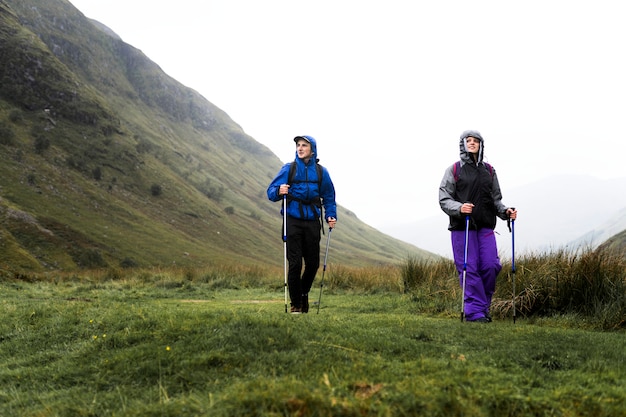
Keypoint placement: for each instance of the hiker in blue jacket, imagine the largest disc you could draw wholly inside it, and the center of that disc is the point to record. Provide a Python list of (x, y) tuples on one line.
[(470, 188), (307, 193)]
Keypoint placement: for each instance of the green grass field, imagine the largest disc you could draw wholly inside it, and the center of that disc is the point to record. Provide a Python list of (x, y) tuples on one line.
[(185, 343)]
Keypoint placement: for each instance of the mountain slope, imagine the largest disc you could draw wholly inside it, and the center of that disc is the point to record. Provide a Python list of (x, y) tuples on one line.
[(615, 244), (105, 160), (610, 228)]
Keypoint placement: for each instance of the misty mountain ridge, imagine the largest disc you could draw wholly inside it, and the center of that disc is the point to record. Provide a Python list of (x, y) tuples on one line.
[(558, 212), (107, 161)]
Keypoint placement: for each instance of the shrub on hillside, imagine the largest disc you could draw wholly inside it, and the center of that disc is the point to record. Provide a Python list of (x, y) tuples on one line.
[(156, 190), (128, 263), (90, 259), (16, 116), (6, 135), (41, 144)]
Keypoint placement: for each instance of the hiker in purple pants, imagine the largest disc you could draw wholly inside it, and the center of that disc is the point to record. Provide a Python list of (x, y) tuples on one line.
[(470, 188)]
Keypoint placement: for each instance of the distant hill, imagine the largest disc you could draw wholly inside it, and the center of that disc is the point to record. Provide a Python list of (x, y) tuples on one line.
[(615, 244), (555, 213), (107, 161), (609, 229)]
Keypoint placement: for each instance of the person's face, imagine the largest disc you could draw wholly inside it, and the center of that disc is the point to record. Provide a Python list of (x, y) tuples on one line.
[(472, 144), (304, 149)]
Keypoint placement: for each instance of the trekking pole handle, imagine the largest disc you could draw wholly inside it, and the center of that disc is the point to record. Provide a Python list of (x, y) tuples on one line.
[(509, 219), (468, 205)]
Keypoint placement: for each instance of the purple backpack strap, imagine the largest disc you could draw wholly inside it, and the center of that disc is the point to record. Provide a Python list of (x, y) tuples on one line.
[(489, 168), (457, 168)]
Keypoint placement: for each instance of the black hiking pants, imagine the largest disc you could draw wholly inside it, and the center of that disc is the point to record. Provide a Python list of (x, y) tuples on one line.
[(303, 244)]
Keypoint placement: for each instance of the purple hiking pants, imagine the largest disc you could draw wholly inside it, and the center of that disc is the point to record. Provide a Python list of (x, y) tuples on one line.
[(483, 266)]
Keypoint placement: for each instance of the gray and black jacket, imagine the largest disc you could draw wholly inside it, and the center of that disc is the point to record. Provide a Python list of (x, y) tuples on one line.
[(475, 182)]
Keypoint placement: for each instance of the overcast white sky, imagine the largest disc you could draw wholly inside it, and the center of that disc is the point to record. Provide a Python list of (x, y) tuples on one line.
[(386, 87)]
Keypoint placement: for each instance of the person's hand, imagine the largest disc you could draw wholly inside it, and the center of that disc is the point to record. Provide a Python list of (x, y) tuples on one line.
[(284, 189), (332, 222), (467, 208), (511, 213)]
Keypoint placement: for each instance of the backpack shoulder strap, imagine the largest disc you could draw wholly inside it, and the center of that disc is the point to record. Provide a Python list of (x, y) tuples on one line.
[(292, 173), (489, 168), (456, 170), (320, 175)]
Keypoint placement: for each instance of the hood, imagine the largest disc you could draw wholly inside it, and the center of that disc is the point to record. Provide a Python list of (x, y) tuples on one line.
[(465, 155), (313, 143)]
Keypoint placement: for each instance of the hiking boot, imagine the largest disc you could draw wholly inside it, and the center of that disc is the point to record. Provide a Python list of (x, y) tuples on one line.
[(296, 310), (305, 303), (481, 320)]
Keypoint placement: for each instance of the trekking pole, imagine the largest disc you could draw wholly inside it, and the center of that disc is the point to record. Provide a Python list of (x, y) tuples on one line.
[(467, 218), (330, 229), (285, 244), (513, 262)]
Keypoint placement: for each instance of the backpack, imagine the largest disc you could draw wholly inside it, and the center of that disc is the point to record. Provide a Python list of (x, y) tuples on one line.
[(457, 169), (317, 202)]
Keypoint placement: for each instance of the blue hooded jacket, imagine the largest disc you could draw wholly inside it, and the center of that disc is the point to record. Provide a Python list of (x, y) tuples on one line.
[(304, 187)]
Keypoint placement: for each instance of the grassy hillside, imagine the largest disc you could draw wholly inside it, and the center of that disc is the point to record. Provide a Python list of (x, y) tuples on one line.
[(616, 244), (105, 160)]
